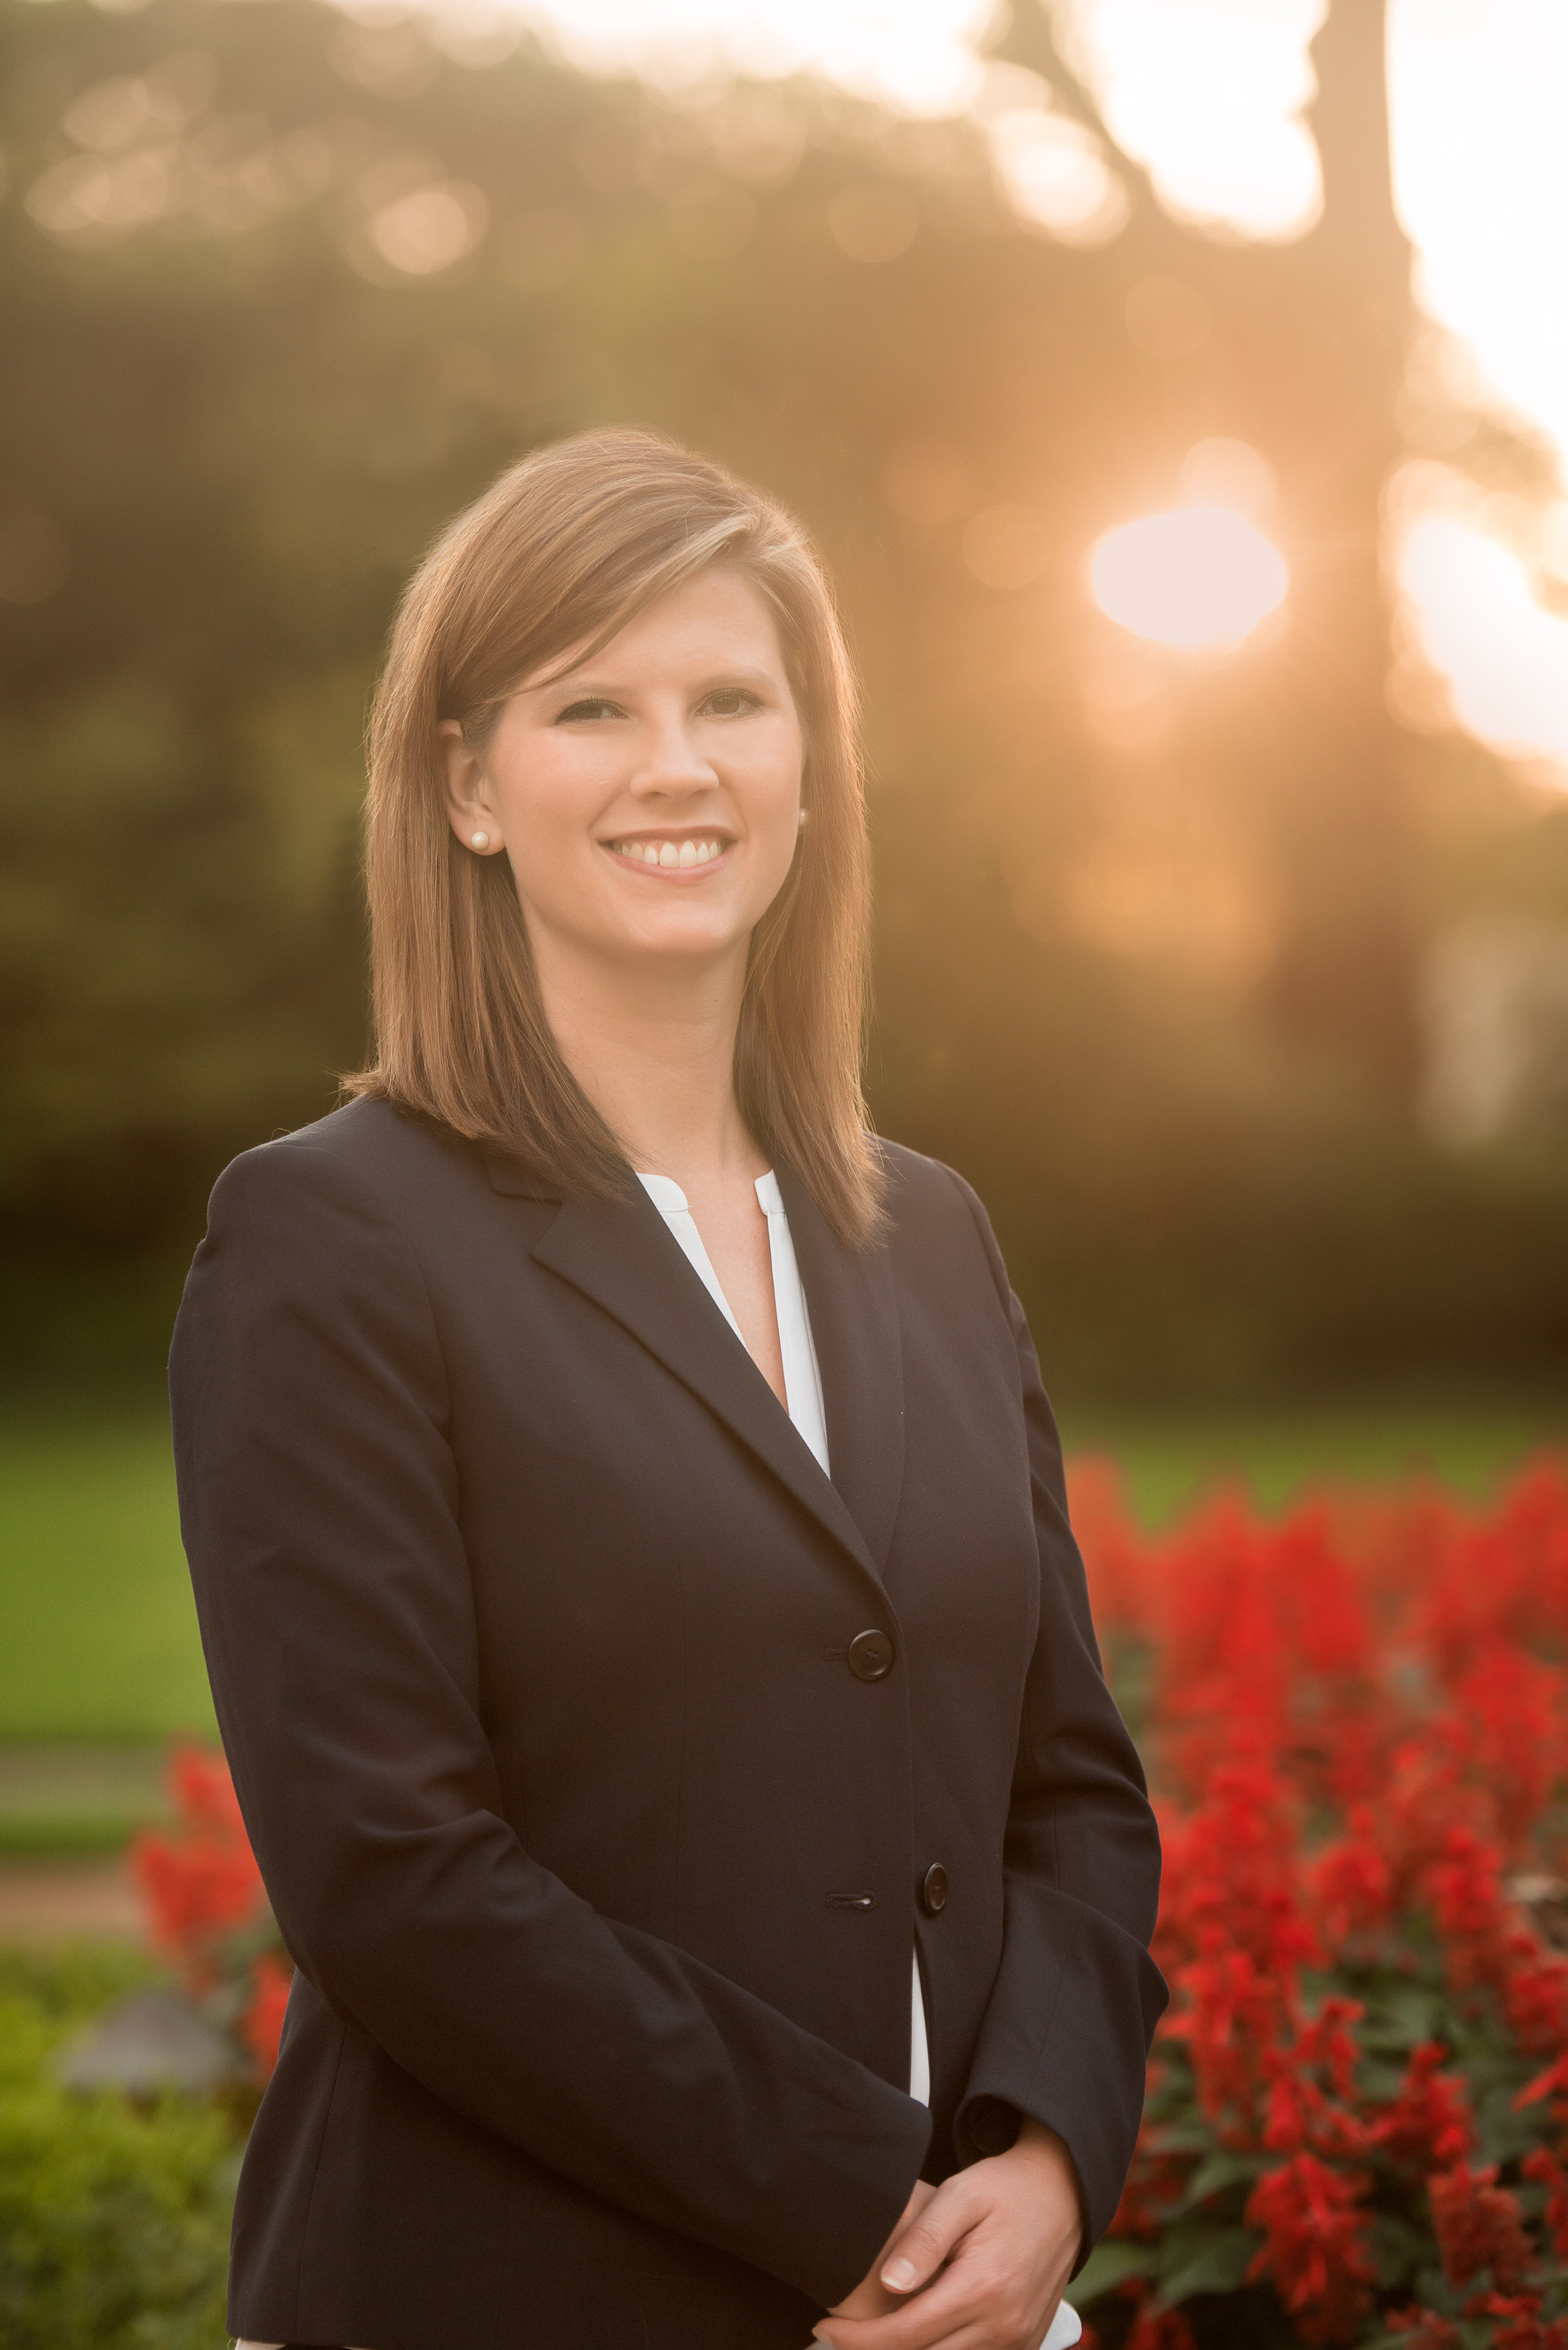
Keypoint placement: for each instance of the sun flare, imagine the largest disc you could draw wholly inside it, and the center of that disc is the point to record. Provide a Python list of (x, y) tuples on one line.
[(1201, 578)]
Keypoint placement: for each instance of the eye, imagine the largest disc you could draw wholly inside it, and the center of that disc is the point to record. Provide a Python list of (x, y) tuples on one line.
[(576, 712), (731, 702)]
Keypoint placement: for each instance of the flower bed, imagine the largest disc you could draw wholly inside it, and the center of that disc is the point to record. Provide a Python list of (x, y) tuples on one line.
[(1357, 1725)]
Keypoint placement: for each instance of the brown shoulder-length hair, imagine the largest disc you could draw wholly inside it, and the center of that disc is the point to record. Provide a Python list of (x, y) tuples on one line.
[(555, 559)]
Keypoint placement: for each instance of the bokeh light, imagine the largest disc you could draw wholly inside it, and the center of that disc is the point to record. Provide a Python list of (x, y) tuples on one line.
[(1476, 619), (1052, 170), (1492, 82), (1489, 84), (1209, 97), (1201, 578), (919, 57)]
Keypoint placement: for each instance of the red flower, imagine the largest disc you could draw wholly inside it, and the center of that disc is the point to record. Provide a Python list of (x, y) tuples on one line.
[(1546, 2169), (1465, 1882), (1423, 2328), (1508, 1702), (1535, 1995), (1116, 1553), (262, 2026), (1351, 1883), (1522, 2326), (1479, 2227), (202, 1881), (1154, 2186), (197, 1891), (205, 1793), (1552, 2083), (1230, 2018), (1315, 2249), (1160, 2329), (1427, 2127)]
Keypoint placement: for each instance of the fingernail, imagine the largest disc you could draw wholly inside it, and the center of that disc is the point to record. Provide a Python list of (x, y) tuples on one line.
[(898, 2276)]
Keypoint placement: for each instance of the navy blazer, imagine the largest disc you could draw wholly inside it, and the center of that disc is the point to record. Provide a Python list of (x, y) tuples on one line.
[(529, 1617)]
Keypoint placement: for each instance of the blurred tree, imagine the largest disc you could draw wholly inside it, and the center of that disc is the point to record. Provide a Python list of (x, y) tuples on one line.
[(285, 288), (1346, 974)]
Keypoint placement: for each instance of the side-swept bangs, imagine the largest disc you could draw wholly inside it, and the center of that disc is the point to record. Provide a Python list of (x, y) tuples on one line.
[(555, 560)]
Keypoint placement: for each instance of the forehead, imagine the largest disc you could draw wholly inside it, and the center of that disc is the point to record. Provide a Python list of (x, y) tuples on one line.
[(719, 619)]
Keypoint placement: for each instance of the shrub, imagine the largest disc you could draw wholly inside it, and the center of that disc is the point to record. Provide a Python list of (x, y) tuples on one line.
[(1356, 1723), (114, 2218)]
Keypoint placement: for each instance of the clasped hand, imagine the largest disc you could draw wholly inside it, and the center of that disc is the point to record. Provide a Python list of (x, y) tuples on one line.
[(978, 2263)]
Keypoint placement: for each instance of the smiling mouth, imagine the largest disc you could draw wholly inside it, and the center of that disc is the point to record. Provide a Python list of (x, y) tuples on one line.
[(666, 855)]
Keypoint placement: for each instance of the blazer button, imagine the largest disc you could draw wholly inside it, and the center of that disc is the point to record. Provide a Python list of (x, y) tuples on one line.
[(870, 1656), (934, 1890)]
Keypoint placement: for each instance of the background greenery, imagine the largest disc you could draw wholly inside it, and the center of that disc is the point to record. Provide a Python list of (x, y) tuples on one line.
[(114, 2217), (1197, 1137)]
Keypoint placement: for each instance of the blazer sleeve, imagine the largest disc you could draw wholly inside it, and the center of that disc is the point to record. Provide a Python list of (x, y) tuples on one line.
[(1067, 2031), (319, 1509)]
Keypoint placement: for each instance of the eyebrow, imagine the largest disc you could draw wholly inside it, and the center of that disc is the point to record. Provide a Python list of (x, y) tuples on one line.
[(590, 689)]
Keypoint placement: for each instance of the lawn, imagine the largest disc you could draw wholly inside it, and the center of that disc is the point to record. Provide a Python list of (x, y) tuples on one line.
[(98, 1631), (100, 1662), (1167, 1458)]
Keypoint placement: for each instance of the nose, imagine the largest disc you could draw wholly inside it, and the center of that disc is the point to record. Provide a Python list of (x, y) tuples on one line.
[(672, 764)]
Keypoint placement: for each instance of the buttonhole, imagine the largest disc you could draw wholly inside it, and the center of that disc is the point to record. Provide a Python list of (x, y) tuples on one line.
[(852, 1901), (835, 1656)]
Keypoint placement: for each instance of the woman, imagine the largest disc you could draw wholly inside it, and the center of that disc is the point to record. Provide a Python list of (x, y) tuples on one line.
[(628, 1536)]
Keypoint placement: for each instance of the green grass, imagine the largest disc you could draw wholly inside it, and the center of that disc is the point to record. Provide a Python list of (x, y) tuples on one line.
[(58, 1798), (1169, 1459), (97, 1630)]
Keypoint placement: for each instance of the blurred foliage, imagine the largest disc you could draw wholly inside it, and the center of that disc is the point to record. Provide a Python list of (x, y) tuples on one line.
[(114, 2217), (1155, 992)]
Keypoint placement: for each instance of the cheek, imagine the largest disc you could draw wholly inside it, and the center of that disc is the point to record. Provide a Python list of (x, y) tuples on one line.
[(769, 781), (538, 792)]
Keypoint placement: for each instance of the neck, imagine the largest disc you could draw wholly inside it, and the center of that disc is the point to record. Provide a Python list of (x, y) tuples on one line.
[(654, 1050)]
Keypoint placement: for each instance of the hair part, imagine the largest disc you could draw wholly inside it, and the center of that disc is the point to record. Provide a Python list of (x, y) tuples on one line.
[(555, 560)]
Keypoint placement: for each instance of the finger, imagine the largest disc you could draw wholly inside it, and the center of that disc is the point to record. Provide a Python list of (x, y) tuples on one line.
[(917, 2254), (858, 2334), (950, 2307)]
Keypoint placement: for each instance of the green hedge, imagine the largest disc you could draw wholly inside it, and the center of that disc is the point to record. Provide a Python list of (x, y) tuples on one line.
[(114, 2217)]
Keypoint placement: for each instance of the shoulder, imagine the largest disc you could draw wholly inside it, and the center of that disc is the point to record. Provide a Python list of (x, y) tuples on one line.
[(935, 1214), (368, 1153)]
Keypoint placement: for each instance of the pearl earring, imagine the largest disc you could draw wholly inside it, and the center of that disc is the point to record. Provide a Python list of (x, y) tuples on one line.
[(479, 840), (800, 821)]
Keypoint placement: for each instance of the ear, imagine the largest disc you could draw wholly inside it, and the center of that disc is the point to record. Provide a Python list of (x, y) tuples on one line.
[(469, 807)]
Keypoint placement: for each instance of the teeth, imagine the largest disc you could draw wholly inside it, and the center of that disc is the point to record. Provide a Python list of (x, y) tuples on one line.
[(669, 853)]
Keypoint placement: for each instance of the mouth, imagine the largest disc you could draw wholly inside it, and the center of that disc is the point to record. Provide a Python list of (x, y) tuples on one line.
[(670, 852)]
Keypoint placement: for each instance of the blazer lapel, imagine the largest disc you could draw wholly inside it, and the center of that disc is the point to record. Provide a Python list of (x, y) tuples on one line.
[(855, 1327), (624, 1257)]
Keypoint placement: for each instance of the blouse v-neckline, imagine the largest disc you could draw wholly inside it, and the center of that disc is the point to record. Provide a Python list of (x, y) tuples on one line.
[(802, 1374)]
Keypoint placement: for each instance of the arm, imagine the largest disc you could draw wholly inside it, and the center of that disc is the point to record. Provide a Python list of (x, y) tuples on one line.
[(319, 1502), (1067, 2029)]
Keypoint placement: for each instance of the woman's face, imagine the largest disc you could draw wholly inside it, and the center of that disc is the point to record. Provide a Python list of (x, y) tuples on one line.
[(648, 798)]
